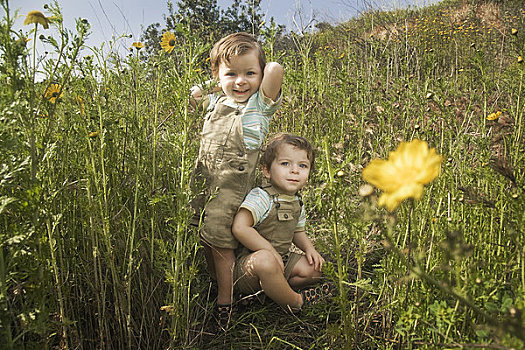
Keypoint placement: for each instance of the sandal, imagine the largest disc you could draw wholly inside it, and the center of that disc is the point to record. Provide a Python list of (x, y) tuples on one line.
[(224, 315), (316, 294)]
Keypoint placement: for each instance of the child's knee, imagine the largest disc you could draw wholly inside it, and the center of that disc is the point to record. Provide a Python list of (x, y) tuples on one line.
[(305, 270), (262, 262)]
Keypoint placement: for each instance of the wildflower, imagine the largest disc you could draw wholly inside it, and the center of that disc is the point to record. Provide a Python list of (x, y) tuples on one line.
[(53, 92), (80, 103), (340, 173), (37, 17), (514, 31), (138, 45), (93, 134), (168, 42), (22, 41), (520, 59), (494, 116), (411, 166), (342, 55)]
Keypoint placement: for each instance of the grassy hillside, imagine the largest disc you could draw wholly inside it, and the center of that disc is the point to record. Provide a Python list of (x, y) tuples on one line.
[(96, 161)]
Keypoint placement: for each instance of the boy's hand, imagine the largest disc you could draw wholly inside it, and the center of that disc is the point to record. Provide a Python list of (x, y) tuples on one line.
[(315, 258)]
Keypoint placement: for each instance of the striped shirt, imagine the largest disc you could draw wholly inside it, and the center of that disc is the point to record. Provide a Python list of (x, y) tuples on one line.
[(259, 203), (257, 112)]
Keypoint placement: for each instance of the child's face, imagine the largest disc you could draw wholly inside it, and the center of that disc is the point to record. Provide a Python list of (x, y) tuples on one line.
[(241, 78), (290, 169)]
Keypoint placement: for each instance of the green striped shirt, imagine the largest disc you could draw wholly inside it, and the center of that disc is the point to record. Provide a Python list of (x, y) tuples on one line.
[(256, 115)]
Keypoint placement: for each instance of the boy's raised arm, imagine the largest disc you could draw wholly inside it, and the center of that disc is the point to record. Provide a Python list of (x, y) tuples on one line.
[(272, 80)]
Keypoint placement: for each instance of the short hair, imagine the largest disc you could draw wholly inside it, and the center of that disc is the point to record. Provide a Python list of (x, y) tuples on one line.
[(236, 44), (277, 141)]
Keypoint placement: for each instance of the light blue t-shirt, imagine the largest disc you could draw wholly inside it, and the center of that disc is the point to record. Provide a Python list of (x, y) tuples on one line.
[(259, 203)]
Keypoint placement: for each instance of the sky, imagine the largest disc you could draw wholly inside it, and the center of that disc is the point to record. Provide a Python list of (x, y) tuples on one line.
[(110, 18)]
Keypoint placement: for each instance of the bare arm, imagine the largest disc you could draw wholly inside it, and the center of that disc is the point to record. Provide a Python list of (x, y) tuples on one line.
[(272, 80), (195, 96), (249, 237), (301, 240), (197, 92)]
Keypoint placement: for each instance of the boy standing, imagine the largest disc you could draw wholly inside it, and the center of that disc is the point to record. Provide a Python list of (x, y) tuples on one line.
[(269, 220), (239, 111)]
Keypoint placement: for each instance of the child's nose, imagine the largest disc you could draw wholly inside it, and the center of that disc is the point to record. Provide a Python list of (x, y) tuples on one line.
[(240, 79)]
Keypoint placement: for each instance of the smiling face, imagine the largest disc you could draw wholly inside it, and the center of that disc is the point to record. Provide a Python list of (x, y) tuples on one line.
[(289, 170), (241, 77)]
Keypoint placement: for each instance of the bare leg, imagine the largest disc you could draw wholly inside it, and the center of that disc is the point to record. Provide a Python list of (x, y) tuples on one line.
[(303, 274), (263, 269), (224, 259)]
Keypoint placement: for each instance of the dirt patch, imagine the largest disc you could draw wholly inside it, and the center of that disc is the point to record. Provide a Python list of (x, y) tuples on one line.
[(489, 15)]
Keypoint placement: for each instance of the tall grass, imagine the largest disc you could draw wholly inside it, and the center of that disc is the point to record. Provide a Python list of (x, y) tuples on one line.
[(96, 250)]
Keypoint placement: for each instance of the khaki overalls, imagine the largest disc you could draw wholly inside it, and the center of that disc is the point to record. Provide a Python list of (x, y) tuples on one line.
[(228, 169), (278, 228)]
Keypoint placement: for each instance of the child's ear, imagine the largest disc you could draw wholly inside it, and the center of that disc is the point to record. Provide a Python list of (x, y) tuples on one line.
[(266, 172)]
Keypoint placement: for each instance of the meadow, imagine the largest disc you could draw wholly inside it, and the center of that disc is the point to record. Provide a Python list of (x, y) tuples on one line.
[(97, 151)]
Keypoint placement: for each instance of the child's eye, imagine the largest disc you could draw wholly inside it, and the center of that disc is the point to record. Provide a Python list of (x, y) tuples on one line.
[(251, 73), (304, 166), (230, 74), (284, 163)]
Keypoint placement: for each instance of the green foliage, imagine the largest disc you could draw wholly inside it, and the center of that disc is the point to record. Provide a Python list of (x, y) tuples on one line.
[(95, 244), (206, 20)]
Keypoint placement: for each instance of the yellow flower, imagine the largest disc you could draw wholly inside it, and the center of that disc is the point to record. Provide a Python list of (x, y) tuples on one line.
[(411, 166), (514, 31), (53, 92), (168, 42), (520, 59), (138, 45), (494, 116), (80, 103), (93, 134), (22, 41), (37, 17)]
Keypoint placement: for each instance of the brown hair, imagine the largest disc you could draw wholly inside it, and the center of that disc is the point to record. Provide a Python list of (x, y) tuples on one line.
[(235, 44), (277, 141)]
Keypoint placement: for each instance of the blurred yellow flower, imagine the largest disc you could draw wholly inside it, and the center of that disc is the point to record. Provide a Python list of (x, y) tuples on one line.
[(138, 45), (37, 17), (494, 116), (80, 103), (168, 42), (53, 92), (514, 31), (411, 166), (93, 134), (520, 59)]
